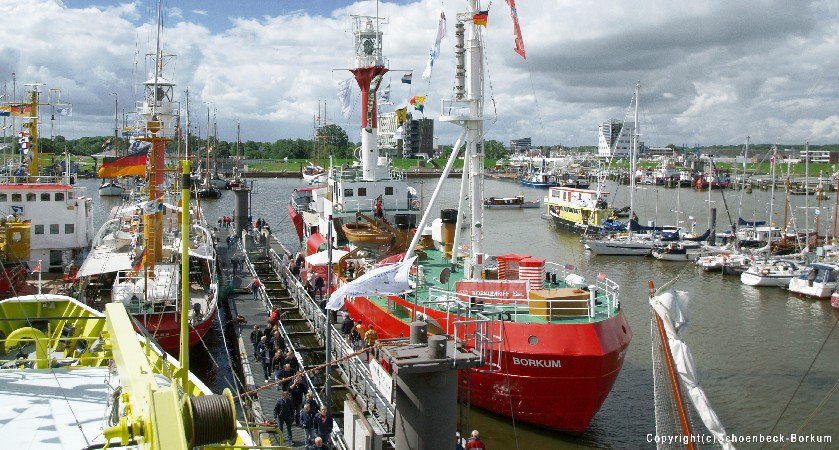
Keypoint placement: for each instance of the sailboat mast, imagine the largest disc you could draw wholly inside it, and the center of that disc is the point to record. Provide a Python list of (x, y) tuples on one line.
[(207, 167), (633, 163), (772, 197), (116, 124)]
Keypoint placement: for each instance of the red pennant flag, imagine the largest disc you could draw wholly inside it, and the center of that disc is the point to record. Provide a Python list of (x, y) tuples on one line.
[(601, 276), (37, 268), (519, 42)]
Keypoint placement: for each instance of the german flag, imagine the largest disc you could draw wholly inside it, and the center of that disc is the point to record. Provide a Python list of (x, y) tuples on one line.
[(133, 164), (480, 18)]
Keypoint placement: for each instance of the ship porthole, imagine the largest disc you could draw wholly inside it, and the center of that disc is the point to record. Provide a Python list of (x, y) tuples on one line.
[(532, 340)]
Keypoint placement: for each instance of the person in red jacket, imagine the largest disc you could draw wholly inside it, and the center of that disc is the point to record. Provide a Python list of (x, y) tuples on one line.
[(475, 441)]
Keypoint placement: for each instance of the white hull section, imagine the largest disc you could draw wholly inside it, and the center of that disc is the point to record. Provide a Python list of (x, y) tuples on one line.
[(750, 278), (620, 247), (111, 190), (816, 290)]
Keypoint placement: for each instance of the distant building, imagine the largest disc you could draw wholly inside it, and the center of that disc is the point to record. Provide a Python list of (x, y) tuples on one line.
[(419, 137), (389, 135), (819, 156), (615, 138), (520, 145)]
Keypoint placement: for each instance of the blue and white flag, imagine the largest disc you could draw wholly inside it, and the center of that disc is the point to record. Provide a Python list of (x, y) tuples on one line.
[(344, 96), (64, 111), (435, 50), (383, 97), (385, 280)]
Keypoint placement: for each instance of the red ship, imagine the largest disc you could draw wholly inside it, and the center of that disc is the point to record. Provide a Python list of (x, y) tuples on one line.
[(547, 337)]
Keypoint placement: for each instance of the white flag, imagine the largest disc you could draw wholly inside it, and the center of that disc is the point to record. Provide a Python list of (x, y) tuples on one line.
[(64, 111), (344, 96), (385, 280), (435, 50)]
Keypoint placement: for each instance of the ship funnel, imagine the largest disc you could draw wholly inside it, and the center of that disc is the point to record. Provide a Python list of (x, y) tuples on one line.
[(449, 219)]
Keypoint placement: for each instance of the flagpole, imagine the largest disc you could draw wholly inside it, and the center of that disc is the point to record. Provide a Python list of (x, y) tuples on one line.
[(328, 344), (39, 277)]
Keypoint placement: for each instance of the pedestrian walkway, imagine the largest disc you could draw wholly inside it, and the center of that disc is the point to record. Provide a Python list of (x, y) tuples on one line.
[(256, 312)]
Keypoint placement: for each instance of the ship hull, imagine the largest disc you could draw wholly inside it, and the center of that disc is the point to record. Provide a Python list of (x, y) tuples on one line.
[(165, 328), (570, 369)]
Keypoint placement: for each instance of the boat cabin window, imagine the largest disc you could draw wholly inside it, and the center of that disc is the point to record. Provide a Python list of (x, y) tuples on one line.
[(17, 197), (69, 228), (362, 192), (39, 229), (59, 196), (53, 228), (4, 197), (31, 197), (348, 193), (388, 190), (45, 196)]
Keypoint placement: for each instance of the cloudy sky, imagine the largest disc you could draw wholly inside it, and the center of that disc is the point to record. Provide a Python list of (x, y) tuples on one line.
[(711, 72)]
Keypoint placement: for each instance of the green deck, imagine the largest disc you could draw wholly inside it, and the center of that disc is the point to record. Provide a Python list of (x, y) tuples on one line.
[(435, 263)]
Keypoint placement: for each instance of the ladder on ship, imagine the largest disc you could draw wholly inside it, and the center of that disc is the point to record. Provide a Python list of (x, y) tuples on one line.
[(485, 334)]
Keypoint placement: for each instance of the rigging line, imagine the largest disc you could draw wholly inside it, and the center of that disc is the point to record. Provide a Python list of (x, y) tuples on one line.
[(801, 381), (817, 409), (510, 396)]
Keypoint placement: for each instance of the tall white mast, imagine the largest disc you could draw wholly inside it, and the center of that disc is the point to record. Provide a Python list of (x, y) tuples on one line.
[(633, 163)]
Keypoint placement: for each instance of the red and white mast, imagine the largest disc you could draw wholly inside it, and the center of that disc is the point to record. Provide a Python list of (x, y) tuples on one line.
[(369, 69)]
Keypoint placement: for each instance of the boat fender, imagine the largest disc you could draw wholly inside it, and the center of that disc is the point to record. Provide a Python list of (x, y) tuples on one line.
[(338, 207), (764, 272), (505, 316)]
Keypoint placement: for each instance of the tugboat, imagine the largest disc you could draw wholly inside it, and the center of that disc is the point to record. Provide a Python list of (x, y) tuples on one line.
[(543, 341)]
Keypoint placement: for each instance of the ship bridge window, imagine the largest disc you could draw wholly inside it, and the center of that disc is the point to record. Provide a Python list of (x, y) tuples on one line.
[(17, 197), (388, 190), (31, 197), (69, 228), (53, 228), (39, 229), (4, 197), (59, 196), (362, 192), (45, 196), (348, 193)]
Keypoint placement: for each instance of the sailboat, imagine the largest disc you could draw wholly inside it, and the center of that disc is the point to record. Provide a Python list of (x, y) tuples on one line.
[(633, 244), (313, 173), (136, 253), (208, 188), (543, 341), (112, 187)]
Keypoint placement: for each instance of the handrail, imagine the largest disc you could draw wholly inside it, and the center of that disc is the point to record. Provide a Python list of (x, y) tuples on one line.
[(354, 368)]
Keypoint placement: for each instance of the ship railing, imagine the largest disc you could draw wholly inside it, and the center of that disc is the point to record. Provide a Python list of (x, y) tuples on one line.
[(355, 369), (368, 205), (301, 207), (605, 288), (470, 325)]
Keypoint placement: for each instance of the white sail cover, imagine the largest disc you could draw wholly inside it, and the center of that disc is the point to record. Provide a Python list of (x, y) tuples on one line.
[(671, 306)]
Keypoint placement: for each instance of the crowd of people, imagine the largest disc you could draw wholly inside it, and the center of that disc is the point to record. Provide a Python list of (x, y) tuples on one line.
[(297, 405)]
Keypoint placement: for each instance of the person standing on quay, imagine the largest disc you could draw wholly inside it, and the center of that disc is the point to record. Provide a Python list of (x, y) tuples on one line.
[(475, 441), (256, 336), (284, 412)]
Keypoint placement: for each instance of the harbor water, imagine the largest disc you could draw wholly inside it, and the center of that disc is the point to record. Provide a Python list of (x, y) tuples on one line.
[(766, 359)]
